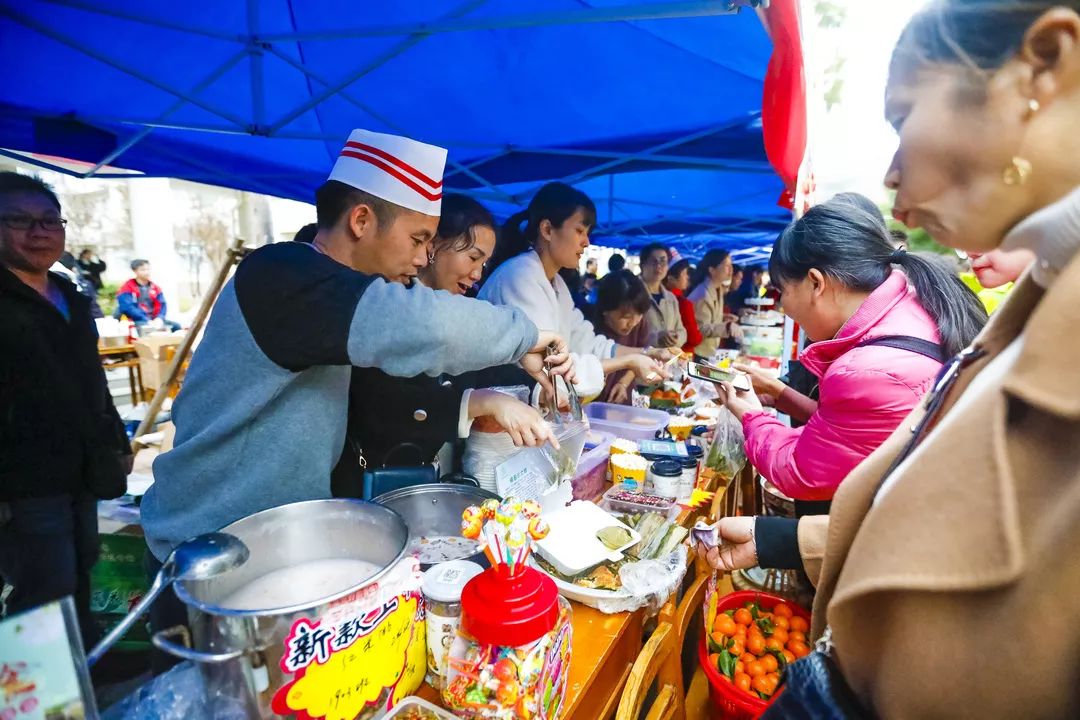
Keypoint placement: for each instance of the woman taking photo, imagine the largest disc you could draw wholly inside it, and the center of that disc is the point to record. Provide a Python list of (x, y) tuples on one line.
[(403, 422), (678, 282), (527, 263), (711, 281), (959, 532), (882, 322)]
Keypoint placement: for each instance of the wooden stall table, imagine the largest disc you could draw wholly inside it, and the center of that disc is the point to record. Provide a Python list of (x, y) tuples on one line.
[(124, 356)]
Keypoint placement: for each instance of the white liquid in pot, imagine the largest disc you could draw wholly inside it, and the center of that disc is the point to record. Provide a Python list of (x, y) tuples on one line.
[(299, 584)]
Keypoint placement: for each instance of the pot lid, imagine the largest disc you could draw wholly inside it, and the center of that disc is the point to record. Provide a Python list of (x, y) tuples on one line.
[(445, 581)]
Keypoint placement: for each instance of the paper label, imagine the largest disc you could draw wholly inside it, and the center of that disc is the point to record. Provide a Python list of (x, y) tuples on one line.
[(525, 476), (368, 647), (667, 448), (441, 631)]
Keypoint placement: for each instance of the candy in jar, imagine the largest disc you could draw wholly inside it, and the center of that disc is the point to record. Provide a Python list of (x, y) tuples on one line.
[(512, 654)]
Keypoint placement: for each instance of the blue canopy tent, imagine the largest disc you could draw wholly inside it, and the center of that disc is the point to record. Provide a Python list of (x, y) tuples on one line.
[(652, 108)]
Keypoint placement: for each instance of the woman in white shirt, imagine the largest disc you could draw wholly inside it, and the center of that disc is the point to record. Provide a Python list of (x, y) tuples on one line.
[(527, 262)]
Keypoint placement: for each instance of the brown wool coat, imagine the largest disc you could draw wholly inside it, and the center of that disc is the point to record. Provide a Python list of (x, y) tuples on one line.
[(958, 595)]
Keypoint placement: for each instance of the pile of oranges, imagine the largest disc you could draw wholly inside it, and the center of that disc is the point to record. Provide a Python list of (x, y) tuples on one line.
[(751, 646)]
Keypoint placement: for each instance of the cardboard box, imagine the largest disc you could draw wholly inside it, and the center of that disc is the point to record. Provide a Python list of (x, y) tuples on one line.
[(155, 355)]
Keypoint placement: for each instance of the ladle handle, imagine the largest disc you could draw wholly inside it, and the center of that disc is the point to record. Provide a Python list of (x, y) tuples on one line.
[(104, 645)]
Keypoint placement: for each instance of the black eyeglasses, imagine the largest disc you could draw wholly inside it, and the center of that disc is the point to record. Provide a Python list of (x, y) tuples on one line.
[(27, 222)]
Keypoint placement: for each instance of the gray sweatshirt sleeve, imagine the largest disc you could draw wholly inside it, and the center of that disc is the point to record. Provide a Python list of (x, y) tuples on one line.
[(412, 331)]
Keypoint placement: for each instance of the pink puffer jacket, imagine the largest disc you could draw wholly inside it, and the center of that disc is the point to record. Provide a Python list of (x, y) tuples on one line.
[(865, 393)]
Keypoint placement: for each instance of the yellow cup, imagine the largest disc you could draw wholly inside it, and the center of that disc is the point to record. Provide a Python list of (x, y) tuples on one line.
[(629, 469), (680, 427), (622, 445)]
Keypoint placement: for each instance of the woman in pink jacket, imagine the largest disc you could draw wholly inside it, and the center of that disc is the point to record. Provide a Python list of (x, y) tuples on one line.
[(883, 321)]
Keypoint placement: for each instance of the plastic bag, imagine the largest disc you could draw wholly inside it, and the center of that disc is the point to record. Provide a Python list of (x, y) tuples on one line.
[(647, 583), (727, 453), (185, 692)]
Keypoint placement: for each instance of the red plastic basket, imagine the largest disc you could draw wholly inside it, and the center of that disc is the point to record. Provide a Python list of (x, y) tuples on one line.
[(729, 702)]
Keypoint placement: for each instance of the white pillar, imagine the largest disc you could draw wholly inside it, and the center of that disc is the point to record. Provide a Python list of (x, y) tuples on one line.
[(152, 210)]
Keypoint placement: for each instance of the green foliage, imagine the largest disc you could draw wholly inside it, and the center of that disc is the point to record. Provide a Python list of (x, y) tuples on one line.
[(830, 14), (107, 298)]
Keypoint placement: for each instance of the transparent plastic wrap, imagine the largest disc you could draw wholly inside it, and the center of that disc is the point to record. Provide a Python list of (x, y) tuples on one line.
[(486, 449), (727, 452), (647, 584), (185, 692)]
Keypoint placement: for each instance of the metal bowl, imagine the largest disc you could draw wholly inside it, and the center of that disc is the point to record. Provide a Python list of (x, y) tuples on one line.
[(434, 510)]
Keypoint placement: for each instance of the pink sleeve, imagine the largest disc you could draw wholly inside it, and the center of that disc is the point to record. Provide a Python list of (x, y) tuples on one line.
[(857, 412)]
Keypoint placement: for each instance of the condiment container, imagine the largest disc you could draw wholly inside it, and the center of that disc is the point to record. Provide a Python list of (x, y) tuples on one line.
[(443, 584), (688, 478), (665, 477), (511, 657), (629, 470)]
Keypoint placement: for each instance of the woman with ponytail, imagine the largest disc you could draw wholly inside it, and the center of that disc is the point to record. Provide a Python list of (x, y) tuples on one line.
[(883, 321), (552, 235)]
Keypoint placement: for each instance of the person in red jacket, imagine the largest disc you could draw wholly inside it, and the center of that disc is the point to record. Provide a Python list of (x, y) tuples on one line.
[(142, 300), (677, 281)]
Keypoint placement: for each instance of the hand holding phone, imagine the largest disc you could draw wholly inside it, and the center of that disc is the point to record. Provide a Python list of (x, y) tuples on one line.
[(708, 373)]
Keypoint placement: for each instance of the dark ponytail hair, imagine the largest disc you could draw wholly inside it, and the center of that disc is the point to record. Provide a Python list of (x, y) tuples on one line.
[(851, 245), (713, 258), (555, 202), (460, 216)]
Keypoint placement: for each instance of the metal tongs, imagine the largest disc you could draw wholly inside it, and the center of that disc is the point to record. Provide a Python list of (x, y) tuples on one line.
[(564, 462)]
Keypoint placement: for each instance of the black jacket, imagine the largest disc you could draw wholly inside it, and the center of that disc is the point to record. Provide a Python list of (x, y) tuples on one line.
[(59, 430)]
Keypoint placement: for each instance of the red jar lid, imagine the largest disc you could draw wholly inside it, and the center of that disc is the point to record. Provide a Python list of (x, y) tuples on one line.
[(510, 610)]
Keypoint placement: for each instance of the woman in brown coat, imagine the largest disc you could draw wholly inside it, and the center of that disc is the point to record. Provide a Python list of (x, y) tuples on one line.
[(947, 572)]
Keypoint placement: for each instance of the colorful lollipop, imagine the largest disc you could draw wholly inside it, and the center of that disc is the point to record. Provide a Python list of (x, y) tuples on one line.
[(471, 528), (472, 514), (538, 528), (530, 508), (489, 508)]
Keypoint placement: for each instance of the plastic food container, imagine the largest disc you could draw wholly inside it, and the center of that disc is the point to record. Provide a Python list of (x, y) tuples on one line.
[(665, 477), (511, 657), (572, 546), (414, 708), (591, 477), (443, 584), (625, 421), (729, 702), (624, 502)]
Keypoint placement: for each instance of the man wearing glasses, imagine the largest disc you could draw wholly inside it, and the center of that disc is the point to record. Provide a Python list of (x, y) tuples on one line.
[(62, 445)]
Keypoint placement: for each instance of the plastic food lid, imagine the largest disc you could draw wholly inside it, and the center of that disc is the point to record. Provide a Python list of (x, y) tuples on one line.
[(695, 451), (509, 610), (689, 462), (445, 581), (667, 468)]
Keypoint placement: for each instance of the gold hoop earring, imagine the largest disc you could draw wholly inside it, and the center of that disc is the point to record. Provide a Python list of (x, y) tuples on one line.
[(1017, 173)]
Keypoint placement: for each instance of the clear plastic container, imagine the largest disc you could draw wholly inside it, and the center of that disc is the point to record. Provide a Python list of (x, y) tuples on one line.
[(511, 657), (621, 501), (592, 468), (443, 584), (625, 421)]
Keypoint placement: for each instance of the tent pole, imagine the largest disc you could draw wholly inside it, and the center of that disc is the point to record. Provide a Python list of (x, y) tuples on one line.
[(235, 254)]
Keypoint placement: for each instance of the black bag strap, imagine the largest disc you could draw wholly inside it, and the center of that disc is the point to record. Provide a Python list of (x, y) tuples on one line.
[(919, 346)]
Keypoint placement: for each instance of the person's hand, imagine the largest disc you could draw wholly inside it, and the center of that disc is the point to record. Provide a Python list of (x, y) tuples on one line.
[(537, 360), (523, 423), (737, 549), (739, 403), (667, 338), (660, 354), (734, 330), (731, 318), (764, 383), (645, 368), (620, 394)]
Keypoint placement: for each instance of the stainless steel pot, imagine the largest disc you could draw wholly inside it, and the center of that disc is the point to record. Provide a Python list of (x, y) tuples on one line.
[(240, 650), (434, 510)]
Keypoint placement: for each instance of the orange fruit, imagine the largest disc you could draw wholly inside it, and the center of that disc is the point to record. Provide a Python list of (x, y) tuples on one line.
[(747, 658), (789, 656), (740, 666), (781, 635), (743, 682), (724, 624), (718, 638), (762, 685), (773, 645), (736, 648), (780, 622), (756, 644), (743, 616), (799, 624), (755, 669), (796, 635), (783, 610), (771, 663), (799, 649)]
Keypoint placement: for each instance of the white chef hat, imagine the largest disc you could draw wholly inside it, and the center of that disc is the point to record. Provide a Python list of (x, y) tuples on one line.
[(397, 169)]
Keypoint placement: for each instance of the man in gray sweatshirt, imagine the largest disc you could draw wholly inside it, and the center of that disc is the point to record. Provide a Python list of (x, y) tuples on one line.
[(261, 419)]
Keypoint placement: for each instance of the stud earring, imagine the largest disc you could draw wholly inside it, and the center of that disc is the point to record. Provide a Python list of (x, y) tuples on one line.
[(1032, 108)]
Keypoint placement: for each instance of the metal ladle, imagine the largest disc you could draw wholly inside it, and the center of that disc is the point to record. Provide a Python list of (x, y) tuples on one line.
[(199, 558)]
